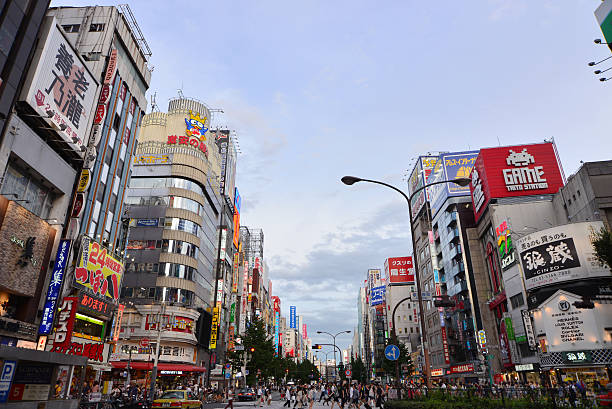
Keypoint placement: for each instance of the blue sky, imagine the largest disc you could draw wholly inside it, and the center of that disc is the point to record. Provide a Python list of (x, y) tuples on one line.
[(316, 90)]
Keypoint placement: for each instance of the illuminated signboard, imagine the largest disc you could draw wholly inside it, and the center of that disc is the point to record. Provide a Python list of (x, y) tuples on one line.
[(237, 203), (214, 329), (504, 246), (98, 271), (292, 318), (55, 284), (377, 295), (520, 170), (449, 166), (399, 270)]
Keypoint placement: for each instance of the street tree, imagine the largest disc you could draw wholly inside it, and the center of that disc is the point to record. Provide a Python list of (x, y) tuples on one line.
[(602, 244)]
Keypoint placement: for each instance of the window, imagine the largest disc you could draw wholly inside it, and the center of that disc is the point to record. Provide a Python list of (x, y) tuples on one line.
[(180, 247), (175, 223), (494, 269), (116, 185), (92, 229), (517, 300), (34, 195), (104, 173), (109, 221), (71, 28), (96, 27), (578, 193)]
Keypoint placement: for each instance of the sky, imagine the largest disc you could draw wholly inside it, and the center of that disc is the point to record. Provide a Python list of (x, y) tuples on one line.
[(316, 90)]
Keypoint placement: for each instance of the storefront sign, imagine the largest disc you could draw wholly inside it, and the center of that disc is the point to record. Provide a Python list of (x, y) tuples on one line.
[(377, 295), (104, 94), (514, 171), (437, 372), (185, 140), (78, 205), (560, 254), (420, 173), (110, 68), (173, 323), (94, 351), (462, 368), (100, 112), (529, 333), (55, 284), (118, 319), (98, 271), (578, 357), (214, 329), (153, 159), (6, 379), (65, 322), (62, 89), (445, 346), (399, 270), (504, 246), (235, 268), (523, 367), (94, 304), (84, 181), (482, 338), (147, 222), (174, 373)]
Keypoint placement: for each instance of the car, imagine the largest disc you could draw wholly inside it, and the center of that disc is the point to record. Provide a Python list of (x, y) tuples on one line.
[(246, 394), (177, 399)]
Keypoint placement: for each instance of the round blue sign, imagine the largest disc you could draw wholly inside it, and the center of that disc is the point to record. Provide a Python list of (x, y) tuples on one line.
[(392, 352)]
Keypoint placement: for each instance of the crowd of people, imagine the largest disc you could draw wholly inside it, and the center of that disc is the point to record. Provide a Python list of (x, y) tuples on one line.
[(344, 395)]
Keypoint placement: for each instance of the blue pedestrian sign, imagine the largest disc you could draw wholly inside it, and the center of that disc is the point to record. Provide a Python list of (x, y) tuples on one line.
[(392, 352), (228, 375)]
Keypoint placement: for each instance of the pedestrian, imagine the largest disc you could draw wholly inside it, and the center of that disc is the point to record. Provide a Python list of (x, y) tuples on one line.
[(269, 392), (259, 395), (298, 398), (287, 397), (230, 398), (311, 397), (572, 394)]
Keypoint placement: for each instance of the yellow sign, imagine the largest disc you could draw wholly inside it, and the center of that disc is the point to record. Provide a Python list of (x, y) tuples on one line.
[(84, 181), (214, 329), (152, 159), (98, 270)]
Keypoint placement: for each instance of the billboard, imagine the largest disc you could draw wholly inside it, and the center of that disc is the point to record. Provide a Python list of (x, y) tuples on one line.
[(449, 166), (98, 270), (55, 284), (292, 319), (510, 171), (603, 14), (399, 270), (560, 254), (61, 89), (420, 173), (373, 278), (237, 203), (505, 247), (377, 295)]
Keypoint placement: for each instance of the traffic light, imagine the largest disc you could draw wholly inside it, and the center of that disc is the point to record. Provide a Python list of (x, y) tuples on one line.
[(317, 346), (252, 349)]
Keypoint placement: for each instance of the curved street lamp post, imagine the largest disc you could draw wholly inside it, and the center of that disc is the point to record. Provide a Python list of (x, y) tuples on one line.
[(334, 337), (350, 180)]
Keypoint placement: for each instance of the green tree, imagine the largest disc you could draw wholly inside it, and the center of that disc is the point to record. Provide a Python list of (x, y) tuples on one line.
[(404, 359), (358, 369), (602, 244), (259, 351)]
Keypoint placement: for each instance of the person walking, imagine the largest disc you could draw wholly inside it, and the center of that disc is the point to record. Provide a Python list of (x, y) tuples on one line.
[(287, 397), (230, 399), (311, 397)]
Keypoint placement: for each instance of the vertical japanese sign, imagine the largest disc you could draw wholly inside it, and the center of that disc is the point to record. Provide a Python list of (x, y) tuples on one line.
[(292, 318), (504, 246), (55, 285), (222, 141), (445, 346), (399, 270), (235, 271), (276, 331), (377, 295), (214, 329), (118, 318), (237, 203), (65, 323), (62, 90)]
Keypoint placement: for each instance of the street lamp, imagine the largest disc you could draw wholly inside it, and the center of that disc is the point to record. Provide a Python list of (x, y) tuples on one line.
[(350, 180), (334, 337)]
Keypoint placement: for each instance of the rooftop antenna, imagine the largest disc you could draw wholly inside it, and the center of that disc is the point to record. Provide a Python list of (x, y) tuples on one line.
[(180, 92), (154, 107), (498, 142)]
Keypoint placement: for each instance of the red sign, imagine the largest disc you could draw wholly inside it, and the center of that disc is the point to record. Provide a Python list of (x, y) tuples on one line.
[(77, 207), (94, 304), (110, 68), (118, 318), (144, 342), (462, 368), (276, 302), (92, 350), (445, 346), (437, 372), (185, 140), (521, 170), (104, 94), (100, 111), (399, 270), (65, 322)]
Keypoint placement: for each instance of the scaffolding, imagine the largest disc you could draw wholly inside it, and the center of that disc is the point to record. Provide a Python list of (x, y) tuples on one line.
[(252, 242)]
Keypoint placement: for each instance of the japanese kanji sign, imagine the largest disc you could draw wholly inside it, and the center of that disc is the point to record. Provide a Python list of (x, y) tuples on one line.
[(95, 304), (98, 270), (62, 90), (55, 284), (399, 270), (560, 254), (377, 295)]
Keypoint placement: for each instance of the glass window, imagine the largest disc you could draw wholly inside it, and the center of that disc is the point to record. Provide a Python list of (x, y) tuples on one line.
[(96, 27), (116, 184), (123, 151), (92, 229), (517, 300), (175, 223), (109, 221), (104, 173), (15, 183), (96, 210), (112, 138)]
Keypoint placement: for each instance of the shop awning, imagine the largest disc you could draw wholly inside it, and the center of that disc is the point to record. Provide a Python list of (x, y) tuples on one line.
[(148, 366)]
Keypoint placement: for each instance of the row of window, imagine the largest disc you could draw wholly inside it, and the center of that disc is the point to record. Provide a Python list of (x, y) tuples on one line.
[(168, 294), (158, 182), (176, 202), (75, 28), (166, 245), (28, 191)]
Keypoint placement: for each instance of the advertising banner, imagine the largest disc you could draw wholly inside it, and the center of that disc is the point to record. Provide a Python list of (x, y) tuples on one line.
[(568, 328), (276, 331), (214, 329), (62, 90), (292, 317), (449, 166), (55, 284), (507, 256), (420, 173), (373, 278), (237, 205), (377, 295), (98, 271), (399, 270), (235, 271), (118, 319), (560, 254), (511, 171), (462, 368), (65, 322), (445, 346)]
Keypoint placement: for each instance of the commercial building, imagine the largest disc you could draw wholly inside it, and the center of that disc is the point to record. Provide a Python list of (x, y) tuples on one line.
[(174, 209)]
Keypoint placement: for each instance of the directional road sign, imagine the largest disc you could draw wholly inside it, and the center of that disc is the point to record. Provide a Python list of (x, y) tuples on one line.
[(348, 373), (392, 352)]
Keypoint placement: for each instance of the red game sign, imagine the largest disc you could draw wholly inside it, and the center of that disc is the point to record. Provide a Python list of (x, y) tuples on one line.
[(520, 170), (399, 270)]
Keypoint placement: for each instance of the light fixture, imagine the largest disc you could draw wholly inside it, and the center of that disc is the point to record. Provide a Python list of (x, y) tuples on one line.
[(89, 319), (63, 127)]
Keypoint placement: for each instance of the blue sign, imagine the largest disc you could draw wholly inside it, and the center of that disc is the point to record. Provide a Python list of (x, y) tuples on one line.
[(392, 352), (237, 200), (147, 222), (228, 375), (6, 379), (55, 285), (292, 321), (377, 295), (449, 166)]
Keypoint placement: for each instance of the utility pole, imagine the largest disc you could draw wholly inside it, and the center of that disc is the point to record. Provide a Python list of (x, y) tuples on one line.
[(156, 359)]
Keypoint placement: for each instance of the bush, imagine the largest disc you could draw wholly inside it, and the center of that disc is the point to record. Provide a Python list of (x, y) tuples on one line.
[(437, 400)]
